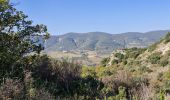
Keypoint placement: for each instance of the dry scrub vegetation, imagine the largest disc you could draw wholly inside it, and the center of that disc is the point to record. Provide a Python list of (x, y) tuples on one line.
[(130, 74)]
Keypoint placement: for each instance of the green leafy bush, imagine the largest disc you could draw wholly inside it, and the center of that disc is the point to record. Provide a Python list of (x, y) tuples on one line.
[(164, 62), (167, 38), (134, 52), (155, 58), (125, 61), (122, 93), (114, 61), (119, 56), (105, 61)]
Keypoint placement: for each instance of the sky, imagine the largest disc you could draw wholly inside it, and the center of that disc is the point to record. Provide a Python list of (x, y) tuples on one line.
[(111, 16)]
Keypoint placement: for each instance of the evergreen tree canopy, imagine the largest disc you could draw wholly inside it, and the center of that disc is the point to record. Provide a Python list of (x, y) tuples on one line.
[(17, 36)]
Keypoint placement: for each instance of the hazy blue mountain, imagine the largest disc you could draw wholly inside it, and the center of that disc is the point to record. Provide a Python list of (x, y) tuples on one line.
[(102, 42)]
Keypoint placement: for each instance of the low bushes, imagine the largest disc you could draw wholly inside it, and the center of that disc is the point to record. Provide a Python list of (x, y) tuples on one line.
[(164, 62), (155, 58), (144, 69), (12, 89), (167, 38), (105, 61), (134, 52)]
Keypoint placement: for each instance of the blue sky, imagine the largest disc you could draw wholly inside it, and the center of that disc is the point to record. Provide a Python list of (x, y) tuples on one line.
[(112, 16)]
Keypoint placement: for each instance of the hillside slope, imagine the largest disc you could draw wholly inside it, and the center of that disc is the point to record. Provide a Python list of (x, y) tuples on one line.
[(152, 63), (102, 42)]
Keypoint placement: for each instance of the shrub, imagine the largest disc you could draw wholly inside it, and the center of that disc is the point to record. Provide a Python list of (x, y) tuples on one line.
[(155, 58), (105, 61), (142, 92), (164, 62), (42, 94), (12, 89), (132, 62), (119, 56), (122, 93), (134, 52), (60, 78), (131, 69), (162, 95), (124, 62), (88, 71), (167, 38), (114, 61), (160, 76), (164, 59), (144, 69)]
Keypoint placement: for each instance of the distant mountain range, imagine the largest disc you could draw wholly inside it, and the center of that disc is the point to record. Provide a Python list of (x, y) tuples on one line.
[(102, 42)]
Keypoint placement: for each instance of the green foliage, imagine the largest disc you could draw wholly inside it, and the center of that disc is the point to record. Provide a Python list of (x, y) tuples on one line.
[(88, 71), (16, 40), (2, 2), (32, 93), (119, 56), (103, 72), (167, 75), (167, 38), (65, 79), (59, 78), (130, 54), (124, 62), (97, 72), (105, 61), (164, 60), (155, 58), (114, 61), (144, 69), (90, 87), (122, 93), (162, 95), (27, 75), (130, 69), (134, 52)]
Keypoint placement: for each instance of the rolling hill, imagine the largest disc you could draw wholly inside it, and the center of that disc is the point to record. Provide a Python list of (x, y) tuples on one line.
[(102, 42), (144, 72)]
